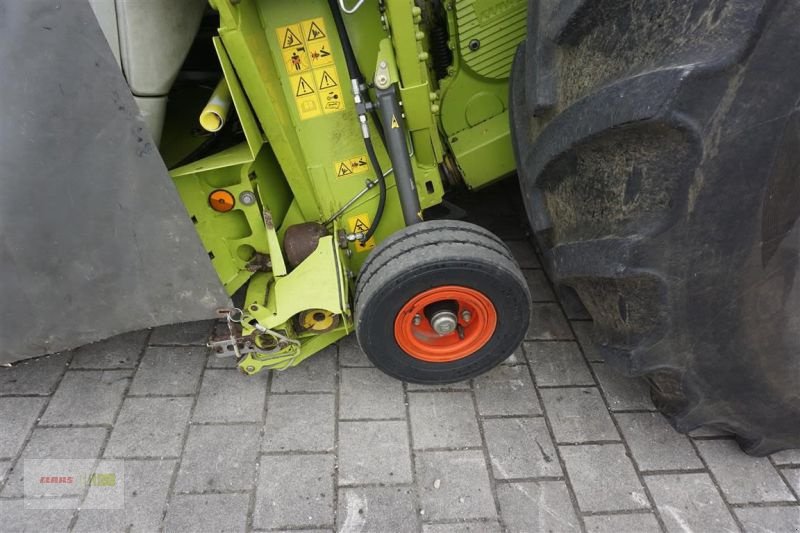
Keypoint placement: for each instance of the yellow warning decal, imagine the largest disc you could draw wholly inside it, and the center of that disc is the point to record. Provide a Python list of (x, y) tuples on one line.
[(319, 53), (350, 166), (305, 96), (395, 125), (360, 224), (295, 59), (314, 29), (306, 50), (330, 91)]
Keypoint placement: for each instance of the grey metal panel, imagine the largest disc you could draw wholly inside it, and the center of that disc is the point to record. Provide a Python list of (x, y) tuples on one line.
[(94, 240)]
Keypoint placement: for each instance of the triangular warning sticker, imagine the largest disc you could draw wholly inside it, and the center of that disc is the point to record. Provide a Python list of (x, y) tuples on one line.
[(395, 125), (360, 227), (315, 32), (290, 39), (344, 170), (303, 88), (327, 81)]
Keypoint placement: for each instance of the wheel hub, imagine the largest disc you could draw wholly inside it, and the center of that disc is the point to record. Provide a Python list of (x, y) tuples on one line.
[(444, 322)]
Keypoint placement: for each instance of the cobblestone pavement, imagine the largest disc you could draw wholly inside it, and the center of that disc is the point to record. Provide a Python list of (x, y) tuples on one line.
[(552, 440)]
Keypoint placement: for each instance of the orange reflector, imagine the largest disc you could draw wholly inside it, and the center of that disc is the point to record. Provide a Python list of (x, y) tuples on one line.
[(221, 200)]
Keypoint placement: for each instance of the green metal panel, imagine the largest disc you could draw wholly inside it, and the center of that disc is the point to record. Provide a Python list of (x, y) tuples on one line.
[(474, 102), (305, 159), (232, 238)]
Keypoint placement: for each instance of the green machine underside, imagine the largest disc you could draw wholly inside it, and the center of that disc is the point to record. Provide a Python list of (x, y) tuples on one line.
[(304, 159)]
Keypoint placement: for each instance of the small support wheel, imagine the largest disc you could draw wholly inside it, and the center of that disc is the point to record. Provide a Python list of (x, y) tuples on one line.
[(439, 302)]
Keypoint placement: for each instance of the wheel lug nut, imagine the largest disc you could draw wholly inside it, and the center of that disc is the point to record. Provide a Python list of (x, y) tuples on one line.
[(466, 315), (417, 320)]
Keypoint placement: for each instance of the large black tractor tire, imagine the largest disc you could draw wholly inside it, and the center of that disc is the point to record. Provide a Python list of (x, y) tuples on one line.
[(658, 146)]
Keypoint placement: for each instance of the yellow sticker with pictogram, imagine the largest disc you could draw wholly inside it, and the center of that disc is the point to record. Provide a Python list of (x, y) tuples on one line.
[(319, 53), (305, 96), (305, 49), (330, 91), (295, 59), (352, 165), (360, 224)]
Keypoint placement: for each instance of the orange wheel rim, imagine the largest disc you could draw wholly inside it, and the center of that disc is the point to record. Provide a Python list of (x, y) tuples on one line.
[(476, 322)]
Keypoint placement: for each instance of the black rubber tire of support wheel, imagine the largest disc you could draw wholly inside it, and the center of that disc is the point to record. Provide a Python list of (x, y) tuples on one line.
[(429, 255), (658, 147)]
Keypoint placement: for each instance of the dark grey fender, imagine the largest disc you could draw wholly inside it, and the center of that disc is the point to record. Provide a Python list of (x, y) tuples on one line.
[(94, 240)]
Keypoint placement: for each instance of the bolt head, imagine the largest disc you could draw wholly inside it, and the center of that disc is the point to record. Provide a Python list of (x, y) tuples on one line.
[(417, 320), (247, 198), (466, 315), (474, 44)]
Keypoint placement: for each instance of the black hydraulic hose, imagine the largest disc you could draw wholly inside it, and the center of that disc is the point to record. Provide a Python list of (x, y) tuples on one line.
[(357, 80), (347, 47), (381, 189)]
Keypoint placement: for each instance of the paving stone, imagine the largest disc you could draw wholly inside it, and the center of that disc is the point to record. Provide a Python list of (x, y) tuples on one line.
[(304, 530), (421, 387), (583, 330), (58, 443), (537, 506), (295, 491), (37, 376), (787, 457), (516, 358), (655, 444), (17, 417), (454, 485), (122, 351), (558, 364), (792, 475), (369, 393), (185, 334), (742, 478), (506, 390), (4, 466), (218, 458), (223, 362), (524, 253), (300, 422), (548, 323), (18, 518), (769, 519), (539, 286), (374, 452), (150, 427), (520, 447), (207, 512), (376, 509), (230, 396), (87, 397), (350, 353), (603, 478), (443, 420), (623, 394), (484, 526), (169, 371), (690, 502), (315, 374), (578, 415), (622, 523), (146, 488)]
